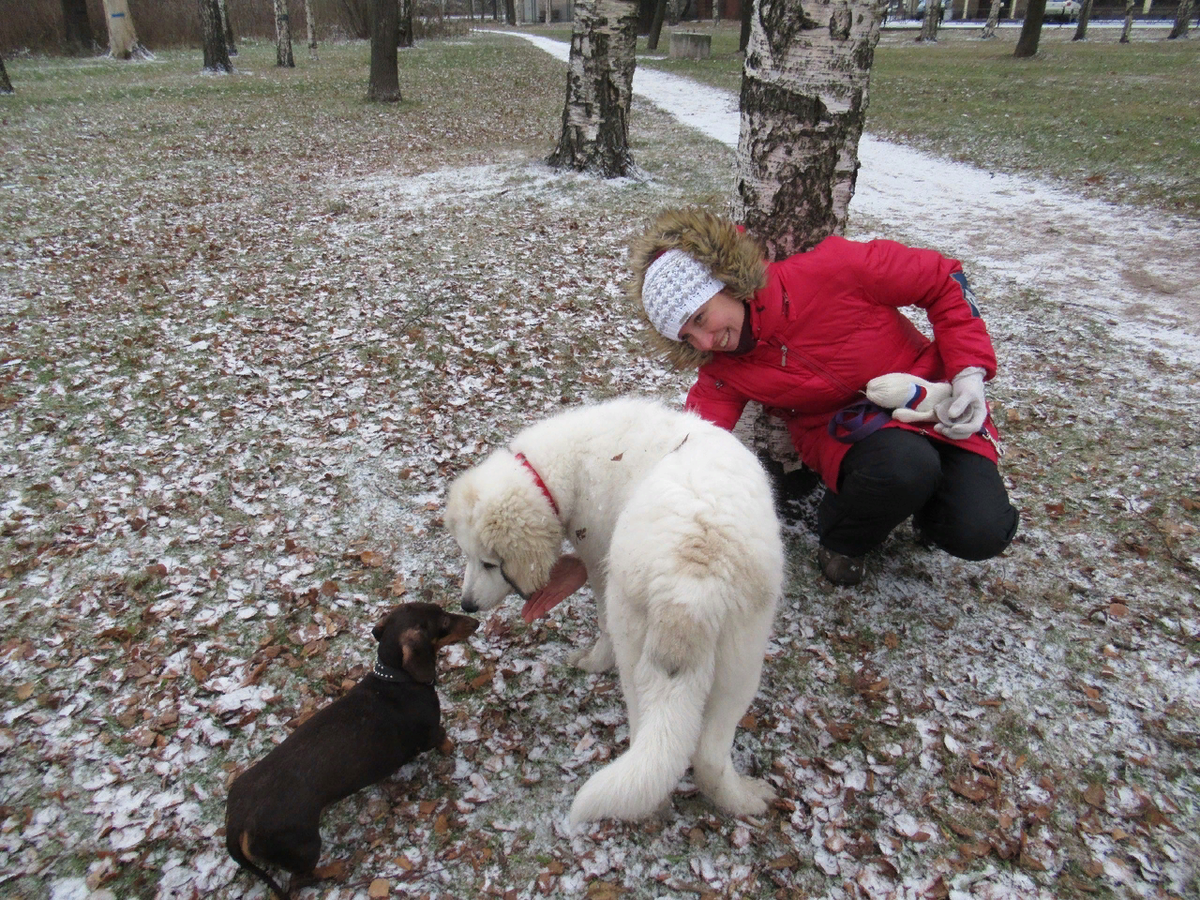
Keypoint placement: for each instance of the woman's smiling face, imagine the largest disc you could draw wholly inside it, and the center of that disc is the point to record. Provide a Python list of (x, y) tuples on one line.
[(717, 325)]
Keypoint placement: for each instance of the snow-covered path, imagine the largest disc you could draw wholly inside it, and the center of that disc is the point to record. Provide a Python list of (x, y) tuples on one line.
[(1137, 267)]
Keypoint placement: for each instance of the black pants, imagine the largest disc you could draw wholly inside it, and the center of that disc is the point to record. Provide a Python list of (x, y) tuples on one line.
[(956, 497)]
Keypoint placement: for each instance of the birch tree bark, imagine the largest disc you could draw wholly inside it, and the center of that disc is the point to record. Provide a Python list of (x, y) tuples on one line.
[(929, 24), (1031, 29), (595, 125), (311, 26), (283, 36), (5, 85), (1182, 15), (993, 19), (1085, 13), (385, 76), (77, 27), (1128, 23), (216, 54), (122, 38), (804, 101)]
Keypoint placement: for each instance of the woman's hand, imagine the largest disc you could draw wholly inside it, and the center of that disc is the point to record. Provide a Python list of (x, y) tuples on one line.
[(965, 412)]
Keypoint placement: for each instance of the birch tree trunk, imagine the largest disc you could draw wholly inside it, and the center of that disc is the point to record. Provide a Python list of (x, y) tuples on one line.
[(1128, 23), (804, 101), (1182, 15), (122, 38), (5, 85), (993, 19), (595, 125), (1085, 13), (77, 27), (929, 25), (216, 54), (283, 36), (311, 27), (385, 76), (1031, 29), (230, 46)]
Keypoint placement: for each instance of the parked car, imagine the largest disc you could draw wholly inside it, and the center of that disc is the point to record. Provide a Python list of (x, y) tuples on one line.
[(1062, 10)]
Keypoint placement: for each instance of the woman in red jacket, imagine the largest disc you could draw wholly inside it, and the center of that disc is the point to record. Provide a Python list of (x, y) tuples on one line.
[(803, 336)]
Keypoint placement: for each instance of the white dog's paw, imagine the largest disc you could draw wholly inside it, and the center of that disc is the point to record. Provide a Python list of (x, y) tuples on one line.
[(598, 658), (740, 795)]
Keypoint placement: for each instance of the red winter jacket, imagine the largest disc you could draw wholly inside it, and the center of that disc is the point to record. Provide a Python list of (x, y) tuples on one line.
[(827, 322)]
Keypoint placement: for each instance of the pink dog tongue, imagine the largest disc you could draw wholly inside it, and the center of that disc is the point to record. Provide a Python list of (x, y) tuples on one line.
[(568, 575)]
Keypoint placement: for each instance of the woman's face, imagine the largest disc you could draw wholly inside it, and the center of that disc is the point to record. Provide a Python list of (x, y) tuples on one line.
[(717, 325)]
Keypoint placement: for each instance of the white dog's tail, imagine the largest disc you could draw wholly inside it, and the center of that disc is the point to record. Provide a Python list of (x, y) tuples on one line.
[(672, 681)]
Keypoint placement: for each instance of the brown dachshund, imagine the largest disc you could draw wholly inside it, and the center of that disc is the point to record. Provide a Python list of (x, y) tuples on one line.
[(273, 815)]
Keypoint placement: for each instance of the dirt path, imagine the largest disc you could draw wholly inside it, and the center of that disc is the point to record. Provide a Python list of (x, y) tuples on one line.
[(1136, 267)]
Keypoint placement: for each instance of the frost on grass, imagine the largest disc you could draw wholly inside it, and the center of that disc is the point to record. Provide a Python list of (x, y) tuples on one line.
[(228, 424)]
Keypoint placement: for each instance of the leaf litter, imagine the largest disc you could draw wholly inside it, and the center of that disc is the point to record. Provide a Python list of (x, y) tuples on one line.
[(229, 421)]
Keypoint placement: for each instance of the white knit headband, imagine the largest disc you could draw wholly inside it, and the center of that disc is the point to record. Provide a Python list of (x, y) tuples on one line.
[(675, 287)]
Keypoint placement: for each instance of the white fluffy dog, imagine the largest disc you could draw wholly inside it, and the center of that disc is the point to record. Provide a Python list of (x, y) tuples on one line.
[(674, 521)]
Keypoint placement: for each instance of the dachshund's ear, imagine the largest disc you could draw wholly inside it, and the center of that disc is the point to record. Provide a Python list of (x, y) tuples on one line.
[(418, 654), (377, 631)]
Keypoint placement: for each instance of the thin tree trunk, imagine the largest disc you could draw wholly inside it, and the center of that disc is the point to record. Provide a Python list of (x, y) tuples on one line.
[(122, 37), (993, 19), (5, 85), (929, 25), (404, 32), (216, 54), (385, 76), (1085, 13), (595, 123), (1182, 15), (747, 19), (1128, 23), (283, 36), (230, 46), (77, 27), (804, 101), (1031, 29), (510, 12), (311, 27), (660, 13)]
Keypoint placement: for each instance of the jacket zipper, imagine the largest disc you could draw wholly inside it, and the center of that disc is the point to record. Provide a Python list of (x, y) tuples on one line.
[(817, 367)]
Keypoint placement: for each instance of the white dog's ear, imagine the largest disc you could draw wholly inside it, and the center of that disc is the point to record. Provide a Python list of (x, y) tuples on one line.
[(526, 537)]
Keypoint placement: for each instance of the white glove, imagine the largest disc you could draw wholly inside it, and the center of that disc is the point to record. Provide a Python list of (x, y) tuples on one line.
[(911, 399), (965, 412)]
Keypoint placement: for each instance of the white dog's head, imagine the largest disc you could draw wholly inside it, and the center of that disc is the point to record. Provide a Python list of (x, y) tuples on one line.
[(506, 530)]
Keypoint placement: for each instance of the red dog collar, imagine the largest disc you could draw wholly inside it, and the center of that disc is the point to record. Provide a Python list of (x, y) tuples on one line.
[(538, 478)]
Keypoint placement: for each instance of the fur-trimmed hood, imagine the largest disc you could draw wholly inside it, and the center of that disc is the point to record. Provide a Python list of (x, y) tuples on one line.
[(733, 256)]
